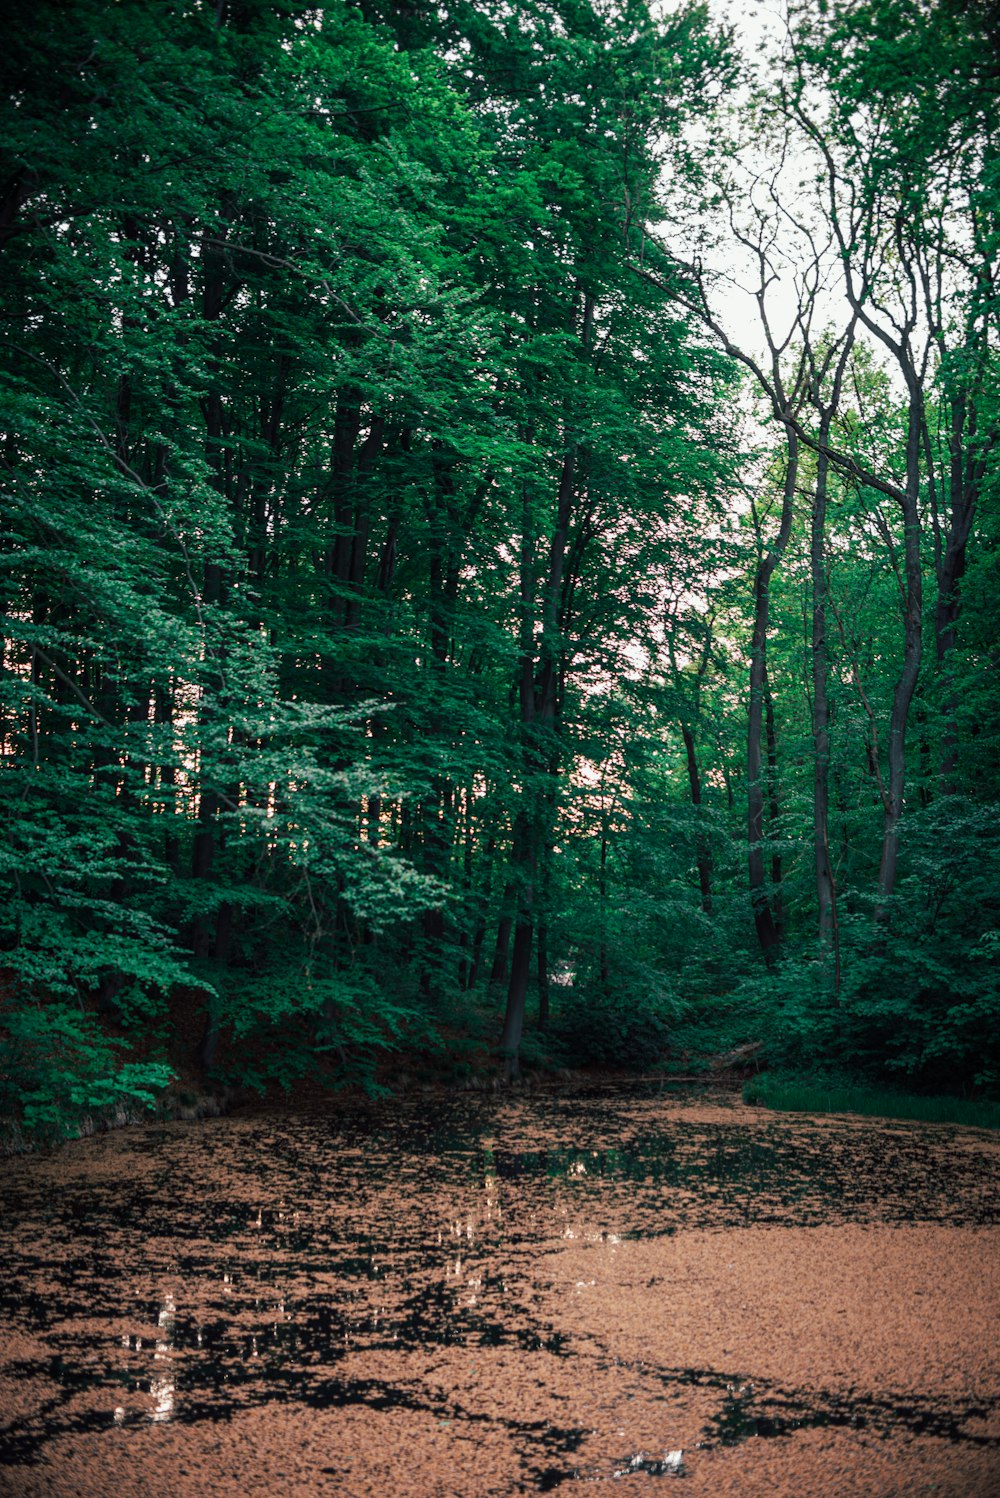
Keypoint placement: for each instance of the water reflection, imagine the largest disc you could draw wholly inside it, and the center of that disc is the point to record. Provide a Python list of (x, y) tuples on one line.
[(670, 1465), (161, 1386)]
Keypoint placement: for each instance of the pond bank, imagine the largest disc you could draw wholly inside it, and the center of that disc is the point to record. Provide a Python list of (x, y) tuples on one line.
[(477, 1296)]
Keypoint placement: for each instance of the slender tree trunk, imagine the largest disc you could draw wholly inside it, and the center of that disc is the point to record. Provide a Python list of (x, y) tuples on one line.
[(768, 933), (482, 905), (520, 969), (604, 968), (966, 470), (212, 939), (522, 851), (826, 894), (544, 986), (704, 852), (468, 866), (773, 810), (501, 951), (907, 682), (540, 713), (826, 890), (163, 715)]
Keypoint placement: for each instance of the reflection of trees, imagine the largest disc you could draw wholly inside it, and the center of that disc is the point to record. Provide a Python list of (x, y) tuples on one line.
[(161, 1385)]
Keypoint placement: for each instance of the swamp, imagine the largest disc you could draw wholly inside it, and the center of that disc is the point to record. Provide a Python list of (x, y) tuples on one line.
[(611, 1289)]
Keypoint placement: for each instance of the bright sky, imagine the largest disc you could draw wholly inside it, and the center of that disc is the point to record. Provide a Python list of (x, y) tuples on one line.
[(759, 24)]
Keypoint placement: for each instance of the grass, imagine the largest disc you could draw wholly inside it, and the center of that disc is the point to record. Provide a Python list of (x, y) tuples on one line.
[(805, 1095)]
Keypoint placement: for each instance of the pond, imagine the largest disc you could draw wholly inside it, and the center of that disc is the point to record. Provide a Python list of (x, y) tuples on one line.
[(498, 1295)]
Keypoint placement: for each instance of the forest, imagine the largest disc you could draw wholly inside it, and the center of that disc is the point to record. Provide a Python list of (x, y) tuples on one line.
[(501, 549)]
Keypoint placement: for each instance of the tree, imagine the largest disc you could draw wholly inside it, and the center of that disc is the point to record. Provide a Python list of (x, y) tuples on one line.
[(911, 200)]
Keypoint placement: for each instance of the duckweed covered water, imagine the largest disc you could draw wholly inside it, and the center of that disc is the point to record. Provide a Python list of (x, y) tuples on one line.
[(401, 1260)]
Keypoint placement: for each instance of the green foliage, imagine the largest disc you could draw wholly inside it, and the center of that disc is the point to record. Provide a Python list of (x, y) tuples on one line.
[(628, 1029), (919, 995), (299, 1021), (793, 1094), (376, 562), (59, 1069)]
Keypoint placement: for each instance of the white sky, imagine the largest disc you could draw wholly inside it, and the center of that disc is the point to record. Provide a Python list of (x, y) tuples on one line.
[(759, 24)]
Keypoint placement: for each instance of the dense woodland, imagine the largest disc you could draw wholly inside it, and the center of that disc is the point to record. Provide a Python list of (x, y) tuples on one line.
[(436, 623)]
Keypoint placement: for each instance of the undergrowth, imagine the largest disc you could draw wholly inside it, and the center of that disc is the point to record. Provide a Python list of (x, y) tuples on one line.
[(833, 1095)]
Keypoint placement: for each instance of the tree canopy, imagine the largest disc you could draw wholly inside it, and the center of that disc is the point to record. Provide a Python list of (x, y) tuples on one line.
[(429, 625)]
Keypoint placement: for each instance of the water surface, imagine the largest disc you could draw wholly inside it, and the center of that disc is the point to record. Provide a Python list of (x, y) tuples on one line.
[(418, 1260)]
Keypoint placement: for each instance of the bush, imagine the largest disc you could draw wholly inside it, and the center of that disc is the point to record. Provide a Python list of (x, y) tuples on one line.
[(58, 1068), (628, 1028), (839, 1095), (923, 1006)]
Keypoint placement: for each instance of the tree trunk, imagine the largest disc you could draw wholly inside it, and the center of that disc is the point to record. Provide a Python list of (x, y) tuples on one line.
[(517, 993), (773, 811), (704, 853), (505, 925), (966, 469), (539, 692), (826, 890), (768, 933), (826, 894), (543, 975), (907, 682)]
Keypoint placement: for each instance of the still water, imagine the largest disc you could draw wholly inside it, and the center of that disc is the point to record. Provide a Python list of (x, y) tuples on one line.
[(521, 1279)]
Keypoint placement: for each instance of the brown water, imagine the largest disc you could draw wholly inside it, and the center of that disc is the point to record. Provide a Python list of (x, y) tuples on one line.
[(492, 1296)]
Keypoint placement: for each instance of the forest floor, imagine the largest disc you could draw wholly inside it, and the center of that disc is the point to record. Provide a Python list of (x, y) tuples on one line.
[(474, 1296)]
